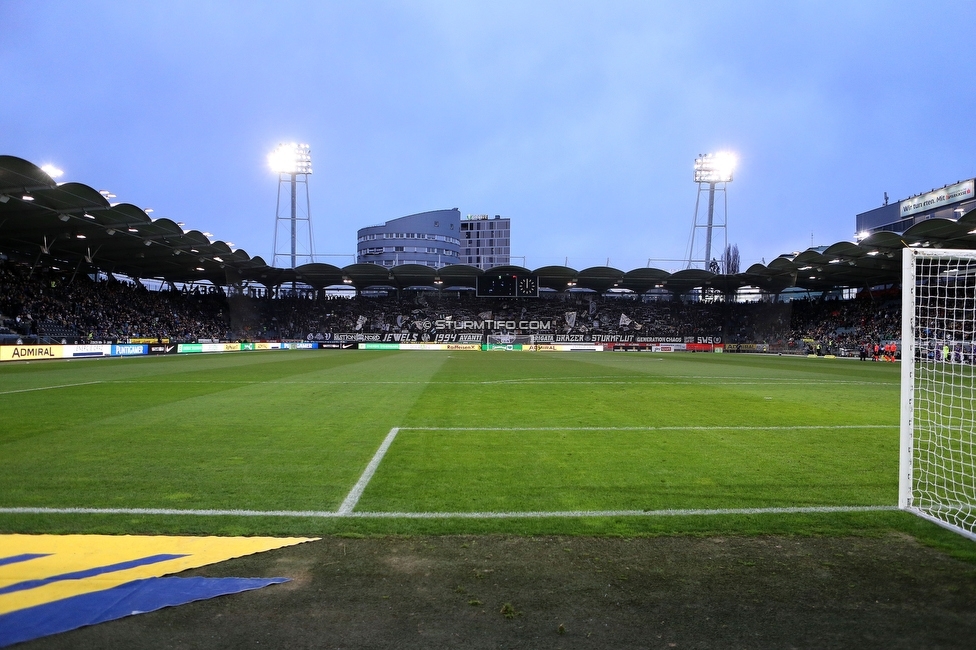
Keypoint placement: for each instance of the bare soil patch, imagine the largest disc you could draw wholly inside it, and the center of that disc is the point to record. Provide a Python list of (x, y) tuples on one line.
[(573, 592)]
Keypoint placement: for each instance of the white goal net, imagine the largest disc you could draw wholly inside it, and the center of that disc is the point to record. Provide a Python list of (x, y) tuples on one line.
[(937, 477)]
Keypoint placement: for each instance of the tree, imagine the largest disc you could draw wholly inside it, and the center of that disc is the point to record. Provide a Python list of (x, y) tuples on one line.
[(730, 259)]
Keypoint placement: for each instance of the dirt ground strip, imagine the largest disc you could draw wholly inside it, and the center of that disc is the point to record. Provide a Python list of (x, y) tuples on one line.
[(573, 592)]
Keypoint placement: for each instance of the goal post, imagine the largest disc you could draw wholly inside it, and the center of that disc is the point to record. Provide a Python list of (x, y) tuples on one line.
[(937, 464)]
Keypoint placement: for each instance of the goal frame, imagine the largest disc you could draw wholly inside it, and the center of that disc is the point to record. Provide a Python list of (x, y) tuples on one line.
[(907, 498)]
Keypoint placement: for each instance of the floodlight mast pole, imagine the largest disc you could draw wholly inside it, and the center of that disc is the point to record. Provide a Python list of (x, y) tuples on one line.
[(293, 163), (711, 218), (713, 171), (294, 219)]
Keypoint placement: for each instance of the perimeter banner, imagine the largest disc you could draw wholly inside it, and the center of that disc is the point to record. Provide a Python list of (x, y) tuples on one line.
[(30, 352)]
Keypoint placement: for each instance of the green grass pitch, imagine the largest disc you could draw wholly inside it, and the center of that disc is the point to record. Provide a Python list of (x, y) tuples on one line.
[(485, 442)]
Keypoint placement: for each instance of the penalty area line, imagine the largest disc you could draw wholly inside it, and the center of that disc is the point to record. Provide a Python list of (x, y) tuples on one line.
[(29, 390), (327, 514), (357, 490), (799, 427)]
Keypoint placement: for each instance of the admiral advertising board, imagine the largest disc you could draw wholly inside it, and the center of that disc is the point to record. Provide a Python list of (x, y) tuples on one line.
[(31, 352)]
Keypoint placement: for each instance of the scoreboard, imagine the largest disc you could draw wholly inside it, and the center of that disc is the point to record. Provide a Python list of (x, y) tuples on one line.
[(507, 285)]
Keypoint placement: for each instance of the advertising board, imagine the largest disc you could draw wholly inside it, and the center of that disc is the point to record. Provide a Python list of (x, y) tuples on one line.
[(937, 198), (30, 352), (129, 350), (80, 351)]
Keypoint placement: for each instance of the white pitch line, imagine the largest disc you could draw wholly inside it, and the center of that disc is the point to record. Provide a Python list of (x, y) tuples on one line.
[(357, 490), (28, 390), (801, 427), (327, 514), (649, 381)]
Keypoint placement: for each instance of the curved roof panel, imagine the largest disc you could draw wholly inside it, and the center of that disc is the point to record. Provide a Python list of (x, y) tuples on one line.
[(73, 224)]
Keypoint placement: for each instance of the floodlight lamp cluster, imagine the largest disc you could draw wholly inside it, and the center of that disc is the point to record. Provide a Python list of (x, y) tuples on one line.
[(291, 158), (714, 167), (52, 171)]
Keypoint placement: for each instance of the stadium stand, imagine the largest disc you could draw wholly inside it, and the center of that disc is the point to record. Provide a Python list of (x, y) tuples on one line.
[(44, 305)]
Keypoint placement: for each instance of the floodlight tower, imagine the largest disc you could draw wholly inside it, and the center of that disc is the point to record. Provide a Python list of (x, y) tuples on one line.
[(713, 172), (293, 164)]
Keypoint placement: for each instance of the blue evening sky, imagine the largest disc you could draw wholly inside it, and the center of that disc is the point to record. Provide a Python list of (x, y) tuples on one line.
[(578, 120)]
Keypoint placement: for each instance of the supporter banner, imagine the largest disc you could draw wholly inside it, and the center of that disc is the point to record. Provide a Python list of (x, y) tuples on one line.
[(712, 339), (165, 339), (433, 337), (30, 352), (358, 337), (129, 350), (75, 351), (162, 349), (489, 325)]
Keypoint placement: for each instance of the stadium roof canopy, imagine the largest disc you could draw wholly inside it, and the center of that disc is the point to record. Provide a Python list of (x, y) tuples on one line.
[(73, 227)]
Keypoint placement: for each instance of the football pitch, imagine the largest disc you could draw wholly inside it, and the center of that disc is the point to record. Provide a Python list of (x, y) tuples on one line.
[(386, 442)]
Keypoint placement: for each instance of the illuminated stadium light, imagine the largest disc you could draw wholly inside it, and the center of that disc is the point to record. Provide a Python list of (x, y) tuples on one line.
[(291, 158), (148, 210), (293, 164), (715, 167), (52, 171), (27, 197), (711, 170), (861, 235)]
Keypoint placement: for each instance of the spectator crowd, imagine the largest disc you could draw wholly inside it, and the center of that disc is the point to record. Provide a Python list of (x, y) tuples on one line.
[(44, 304)]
